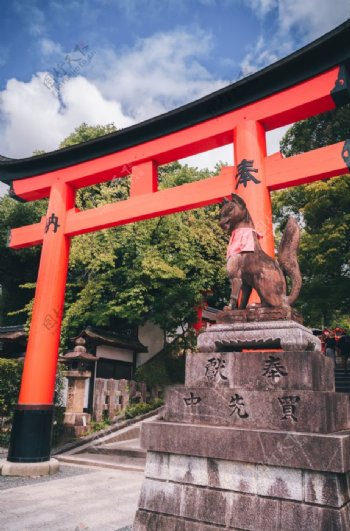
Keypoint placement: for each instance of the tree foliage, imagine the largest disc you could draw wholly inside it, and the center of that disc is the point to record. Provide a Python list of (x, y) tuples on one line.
[(153, 270), (10, 377), (159, 268), (317, 131), (85, 132), (17, 267), (323, 209)]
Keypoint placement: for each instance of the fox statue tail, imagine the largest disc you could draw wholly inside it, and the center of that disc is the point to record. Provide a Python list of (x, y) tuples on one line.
[(287, 257)]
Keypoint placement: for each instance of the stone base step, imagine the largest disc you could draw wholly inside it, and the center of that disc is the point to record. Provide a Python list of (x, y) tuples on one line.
[(276, 448), (106, 461)]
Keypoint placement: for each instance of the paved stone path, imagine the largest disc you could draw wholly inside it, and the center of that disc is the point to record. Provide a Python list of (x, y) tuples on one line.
[(75, 499)]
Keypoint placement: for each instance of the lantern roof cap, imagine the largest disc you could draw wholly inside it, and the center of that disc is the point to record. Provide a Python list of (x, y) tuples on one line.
[(108, 337), (13, 333), (79, 352)]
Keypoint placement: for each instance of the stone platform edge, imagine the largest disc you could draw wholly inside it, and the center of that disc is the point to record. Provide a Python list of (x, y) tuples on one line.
[(318, 452)]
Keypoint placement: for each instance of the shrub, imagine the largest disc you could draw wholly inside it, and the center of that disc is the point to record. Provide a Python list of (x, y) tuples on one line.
[(166, 368), (99, 425), (10, 378), (142, 408), (153, 372)]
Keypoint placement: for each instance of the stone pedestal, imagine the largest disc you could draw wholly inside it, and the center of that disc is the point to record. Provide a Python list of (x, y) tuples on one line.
[(257, 313), (75, 420), (253, 440), (284, 335)]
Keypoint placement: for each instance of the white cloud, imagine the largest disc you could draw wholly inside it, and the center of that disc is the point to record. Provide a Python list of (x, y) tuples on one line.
[(3, 189), (4, 52), (33, 18), (225, 154), (298, 23), (159, 73), (274, 137), (260, 56), (34, 119), (48, 47), (208, 159), (312, 18), (261, 7)]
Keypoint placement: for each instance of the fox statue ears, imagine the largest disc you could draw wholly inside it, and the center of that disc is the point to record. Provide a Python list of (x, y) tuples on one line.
[(235, 199)]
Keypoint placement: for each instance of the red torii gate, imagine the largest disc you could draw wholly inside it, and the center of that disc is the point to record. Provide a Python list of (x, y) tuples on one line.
[(311, 81)]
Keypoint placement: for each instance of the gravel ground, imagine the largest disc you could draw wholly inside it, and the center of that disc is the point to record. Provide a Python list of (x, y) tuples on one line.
[(66, 471), (74, 499), (71, 519)]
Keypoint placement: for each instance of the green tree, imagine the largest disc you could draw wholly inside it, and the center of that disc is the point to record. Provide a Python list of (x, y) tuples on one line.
[(155, 269), (85, 132), (17, 267), (318, 131), (323, 209)]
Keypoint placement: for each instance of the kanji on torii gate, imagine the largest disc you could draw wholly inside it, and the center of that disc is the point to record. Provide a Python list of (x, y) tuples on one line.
[(311, 81)]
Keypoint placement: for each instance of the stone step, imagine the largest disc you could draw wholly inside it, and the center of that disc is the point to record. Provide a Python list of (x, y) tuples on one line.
[(128, 448), (342, 380), (343, 389), (119, 462), (133, 432)]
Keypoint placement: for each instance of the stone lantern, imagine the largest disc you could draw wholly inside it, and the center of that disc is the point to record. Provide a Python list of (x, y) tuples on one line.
[(79, 365)]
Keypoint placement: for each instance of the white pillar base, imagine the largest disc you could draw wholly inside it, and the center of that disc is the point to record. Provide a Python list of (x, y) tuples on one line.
[(46, 468)]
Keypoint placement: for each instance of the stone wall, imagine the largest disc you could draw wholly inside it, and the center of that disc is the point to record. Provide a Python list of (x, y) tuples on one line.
[(111, 397)]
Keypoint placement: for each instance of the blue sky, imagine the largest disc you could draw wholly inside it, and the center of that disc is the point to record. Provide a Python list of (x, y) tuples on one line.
[(63, 62)]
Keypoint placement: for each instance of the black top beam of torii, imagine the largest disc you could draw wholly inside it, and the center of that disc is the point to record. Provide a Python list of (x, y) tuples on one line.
[(324, 53)]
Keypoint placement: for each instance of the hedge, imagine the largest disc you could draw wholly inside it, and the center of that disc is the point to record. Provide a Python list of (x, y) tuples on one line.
[(10, 379)]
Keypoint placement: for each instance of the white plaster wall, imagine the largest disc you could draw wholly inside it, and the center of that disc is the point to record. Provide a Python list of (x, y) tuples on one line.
[(113, 353), (152, 336), (64, 392), (86, 394)]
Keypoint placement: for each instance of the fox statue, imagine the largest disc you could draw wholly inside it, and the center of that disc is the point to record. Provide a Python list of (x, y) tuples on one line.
[(248, 266)]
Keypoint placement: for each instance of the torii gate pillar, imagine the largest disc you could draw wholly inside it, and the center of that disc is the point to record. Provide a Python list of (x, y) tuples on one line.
[(249, 140), (250, 147), (32, 423)]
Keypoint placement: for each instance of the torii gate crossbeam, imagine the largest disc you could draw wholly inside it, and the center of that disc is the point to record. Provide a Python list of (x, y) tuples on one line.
[(295, 88)]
